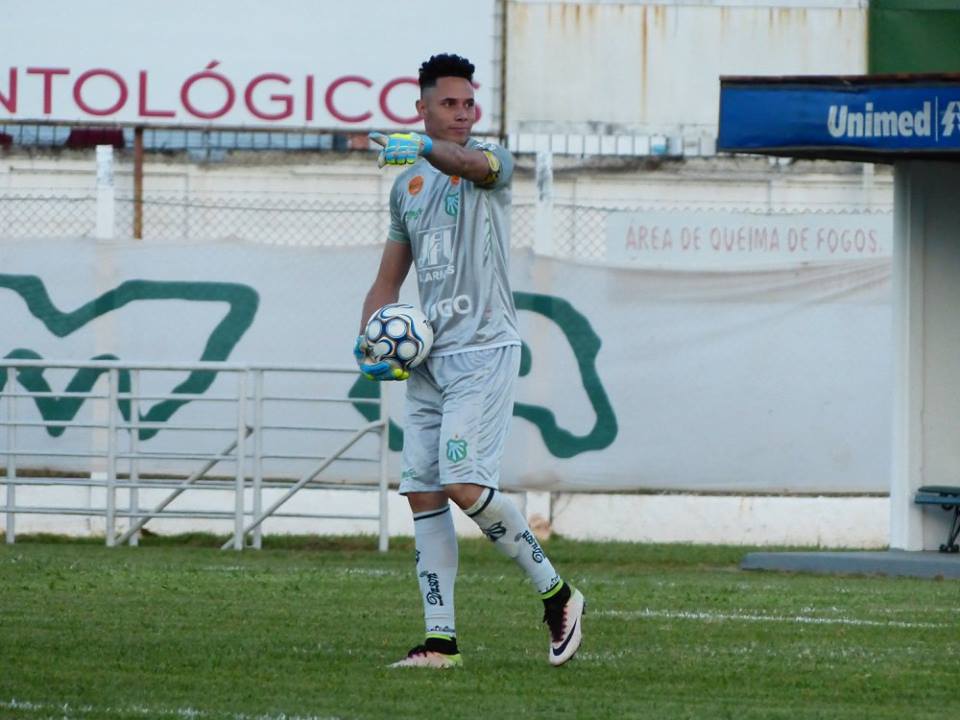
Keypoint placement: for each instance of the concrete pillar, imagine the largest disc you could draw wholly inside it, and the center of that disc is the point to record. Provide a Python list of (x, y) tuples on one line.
[(106, 202), (926, 337), (543, 219)]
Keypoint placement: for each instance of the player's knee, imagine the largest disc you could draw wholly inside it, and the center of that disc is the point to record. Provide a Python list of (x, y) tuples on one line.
[(463, 494), (425, 501)]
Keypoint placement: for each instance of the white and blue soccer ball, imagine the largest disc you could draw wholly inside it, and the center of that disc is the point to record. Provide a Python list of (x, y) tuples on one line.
[(399, 333)]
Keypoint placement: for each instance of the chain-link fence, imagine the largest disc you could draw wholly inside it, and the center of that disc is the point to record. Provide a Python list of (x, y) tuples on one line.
[(278, 218), (339, 200), (281, 219), (26, 214), (273, 219), (578, 231)]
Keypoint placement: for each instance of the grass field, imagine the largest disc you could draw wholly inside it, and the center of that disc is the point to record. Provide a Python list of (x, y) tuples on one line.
[(304, 628)]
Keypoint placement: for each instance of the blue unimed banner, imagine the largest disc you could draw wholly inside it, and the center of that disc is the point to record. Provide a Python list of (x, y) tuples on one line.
[(862, 117)]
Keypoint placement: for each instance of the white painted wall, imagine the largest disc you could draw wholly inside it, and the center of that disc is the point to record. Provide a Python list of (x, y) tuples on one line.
[(824, 521), (654, 67)]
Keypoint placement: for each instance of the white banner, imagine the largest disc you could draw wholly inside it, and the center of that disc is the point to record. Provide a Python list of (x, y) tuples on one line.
[(687, 240), (236, 63), (771, 381)]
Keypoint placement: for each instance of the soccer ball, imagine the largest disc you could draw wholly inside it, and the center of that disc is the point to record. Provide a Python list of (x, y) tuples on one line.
[(399, 333)]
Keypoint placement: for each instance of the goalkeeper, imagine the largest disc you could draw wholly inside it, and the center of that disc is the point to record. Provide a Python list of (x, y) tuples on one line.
[(449, 218)]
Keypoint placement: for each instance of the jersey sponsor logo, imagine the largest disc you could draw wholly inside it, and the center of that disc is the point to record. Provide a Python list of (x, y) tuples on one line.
[(415, 185), (448, 307), (456, 450), (435, 254)]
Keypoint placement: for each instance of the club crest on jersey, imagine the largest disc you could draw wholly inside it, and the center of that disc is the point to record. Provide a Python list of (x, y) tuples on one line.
[(415, 185), (456, 450), (451, 202)]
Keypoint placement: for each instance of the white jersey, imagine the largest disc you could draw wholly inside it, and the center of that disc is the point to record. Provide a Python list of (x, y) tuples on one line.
[(459, 233)]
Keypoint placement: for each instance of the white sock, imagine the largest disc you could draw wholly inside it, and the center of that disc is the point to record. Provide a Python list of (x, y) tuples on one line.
[(437, 561), (500, 521)]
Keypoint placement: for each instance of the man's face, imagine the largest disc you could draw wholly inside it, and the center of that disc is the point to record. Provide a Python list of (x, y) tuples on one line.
[(448, 109)]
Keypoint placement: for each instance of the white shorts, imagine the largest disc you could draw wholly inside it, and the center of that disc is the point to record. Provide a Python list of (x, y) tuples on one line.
[(458, 410)]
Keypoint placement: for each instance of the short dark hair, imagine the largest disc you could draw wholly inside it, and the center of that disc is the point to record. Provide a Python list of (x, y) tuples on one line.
[(444, 65)]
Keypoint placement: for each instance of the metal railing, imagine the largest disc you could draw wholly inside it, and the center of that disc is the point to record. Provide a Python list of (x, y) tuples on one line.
[(118, 430)]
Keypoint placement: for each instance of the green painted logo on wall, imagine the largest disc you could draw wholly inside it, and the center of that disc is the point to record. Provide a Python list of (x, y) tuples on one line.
[(242, 300)]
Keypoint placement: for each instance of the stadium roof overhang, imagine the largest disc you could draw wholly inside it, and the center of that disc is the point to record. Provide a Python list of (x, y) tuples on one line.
[(865, 118)]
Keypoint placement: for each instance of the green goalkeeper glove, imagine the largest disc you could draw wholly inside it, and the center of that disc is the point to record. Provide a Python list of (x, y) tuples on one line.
[(383, 370), (401, 148)]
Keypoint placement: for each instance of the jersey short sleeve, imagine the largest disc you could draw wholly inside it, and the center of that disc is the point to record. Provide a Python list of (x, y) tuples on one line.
[(398, 230)]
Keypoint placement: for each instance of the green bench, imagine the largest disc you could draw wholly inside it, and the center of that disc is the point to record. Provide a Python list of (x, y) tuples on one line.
[(947, 497)]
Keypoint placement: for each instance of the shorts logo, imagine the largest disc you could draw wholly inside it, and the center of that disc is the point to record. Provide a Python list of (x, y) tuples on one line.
[(456, 450), (415, 185)]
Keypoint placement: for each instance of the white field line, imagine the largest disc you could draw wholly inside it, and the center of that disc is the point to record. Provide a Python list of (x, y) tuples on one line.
[(65, 711), (362, 572), (751, 617)]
